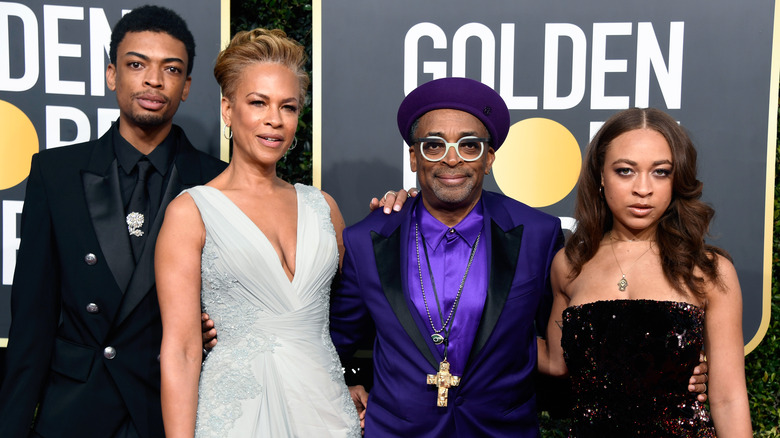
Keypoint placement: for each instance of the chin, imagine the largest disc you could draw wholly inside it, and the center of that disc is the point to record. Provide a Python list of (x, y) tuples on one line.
[(450, 196), (149, 120)]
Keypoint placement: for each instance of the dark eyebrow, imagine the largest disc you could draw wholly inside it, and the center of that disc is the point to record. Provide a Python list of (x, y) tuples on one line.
[(633, 163), (263, 96), (146, 58), (624, 160)]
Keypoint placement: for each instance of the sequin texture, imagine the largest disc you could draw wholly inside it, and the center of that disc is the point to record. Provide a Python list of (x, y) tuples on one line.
[(630, 361)]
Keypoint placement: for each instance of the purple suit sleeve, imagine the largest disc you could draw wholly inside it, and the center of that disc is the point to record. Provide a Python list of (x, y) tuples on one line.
[(351, 325)]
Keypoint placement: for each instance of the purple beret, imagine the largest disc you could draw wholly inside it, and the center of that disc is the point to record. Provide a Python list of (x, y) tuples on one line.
[(462, 94)]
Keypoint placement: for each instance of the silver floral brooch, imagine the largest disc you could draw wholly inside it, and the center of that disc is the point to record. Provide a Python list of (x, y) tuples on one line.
[(134, 222)]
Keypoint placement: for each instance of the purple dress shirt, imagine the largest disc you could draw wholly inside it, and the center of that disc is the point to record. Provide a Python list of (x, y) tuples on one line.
[(448, 252)]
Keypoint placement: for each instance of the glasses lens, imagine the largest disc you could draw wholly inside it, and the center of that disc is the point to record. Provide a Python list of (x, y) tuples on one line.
[(469, 149), (433, 149)]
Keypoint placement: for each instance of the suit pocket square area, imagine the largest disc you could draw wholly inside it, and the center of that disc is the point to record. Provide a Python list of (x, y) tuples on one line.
[(72, 360)]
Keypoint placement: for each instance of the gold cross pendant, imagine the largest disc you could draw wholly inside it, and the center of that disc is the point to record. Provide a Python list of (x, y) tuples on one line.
[(443, 380)]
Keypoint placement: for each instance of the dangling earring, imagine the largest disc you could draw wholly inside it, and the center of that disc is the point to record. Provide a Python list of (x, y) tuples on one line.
[(295, 143), (226, 135), (601, 191)]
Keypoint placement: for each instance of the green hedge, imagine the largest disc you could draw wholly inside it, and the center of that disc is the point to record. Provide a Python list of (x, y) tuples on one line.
[(293, 17), (762, 365)]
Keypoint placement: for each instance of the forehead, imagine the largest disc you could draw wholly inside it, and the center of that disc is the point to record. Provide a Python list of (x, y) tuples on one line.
[(450, 122), (638, 145), (268, 77), (159, 45)]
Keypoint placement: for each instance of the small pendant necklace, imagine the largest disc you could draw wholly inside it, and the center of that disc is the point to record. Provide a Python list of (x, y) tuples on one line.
[(623, 283)]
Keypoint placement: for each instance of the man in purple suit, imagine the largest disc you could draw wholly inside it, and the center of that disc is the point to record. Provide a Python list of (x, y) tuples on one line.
[(455, 333)]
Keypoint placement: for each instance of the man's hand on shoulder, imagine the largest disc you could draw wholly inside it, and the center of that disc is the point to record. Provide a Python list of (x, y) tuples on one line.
[(392, 200)]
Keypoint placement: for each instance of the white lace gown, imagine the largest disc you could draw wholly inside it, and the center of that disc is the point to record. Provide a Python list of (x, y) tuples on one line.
[(274, 372)]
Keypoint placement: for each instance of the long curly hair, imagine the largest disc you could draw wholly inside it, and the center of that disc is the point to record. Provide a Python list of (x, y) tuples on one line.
[(260, 46), (681, 229)]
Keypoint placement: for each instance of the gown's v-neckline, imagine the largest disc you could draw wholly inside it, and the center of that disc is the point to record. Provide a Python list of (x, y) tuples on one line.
[(265, 238)]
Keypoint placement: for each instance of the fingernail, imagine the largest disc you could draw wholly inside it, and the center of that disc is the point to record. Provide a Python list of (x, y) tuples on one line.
[(397, 207), (387, 210)]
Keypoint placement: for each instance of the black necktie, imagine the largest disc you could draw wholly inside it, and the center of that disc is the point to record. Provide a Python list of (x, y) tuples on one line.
[(138, 209)]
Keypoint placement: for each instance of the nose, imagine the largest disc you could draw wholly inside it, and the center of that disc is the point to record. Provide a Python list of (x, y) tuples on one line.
[(643, 185), (273, 117), (153, 78), (451, 157)]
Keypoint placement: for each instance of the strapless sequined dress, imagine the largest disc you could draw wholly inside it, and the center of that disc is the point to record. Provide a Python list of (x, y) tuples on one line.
[(629, 362)]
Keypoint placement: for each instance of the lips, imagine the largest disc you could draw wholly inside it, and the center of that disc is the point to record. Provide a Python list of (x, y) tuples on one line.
[(452, 179), (640, 209), (151, 101), (272, 141)]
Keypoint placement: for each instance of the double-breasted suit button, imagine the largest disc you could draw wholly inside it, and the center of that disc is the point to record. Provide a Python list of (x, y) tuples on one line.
[(92, 308), (90, 259), (109, 352)]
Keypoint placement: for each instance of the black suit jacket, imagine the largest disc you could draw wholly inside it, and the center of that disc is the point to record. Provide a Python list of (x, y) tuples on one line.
[(85, 332)]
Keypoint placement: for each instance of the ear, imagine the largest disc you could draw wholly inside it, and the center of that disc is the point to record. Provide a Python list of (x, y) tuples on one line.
[(111, 77), (186, 91), (226, 110), (489, 159), (412, 159)]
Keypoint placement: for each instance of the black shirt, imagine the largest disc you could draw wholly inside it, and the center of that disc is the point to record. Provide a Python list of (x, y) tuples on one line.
[(127, 159)]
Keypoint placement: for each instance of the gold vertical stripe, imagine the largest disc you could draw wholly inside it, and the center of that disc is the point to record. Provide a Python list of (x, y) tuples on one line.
[(774, 81), (224, 143), (316, 94)]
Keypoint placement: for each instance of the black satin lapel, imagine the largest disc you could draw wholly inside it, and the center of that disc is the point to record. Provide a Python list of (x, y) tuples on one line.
[(387, 252), (107, 212), (504, 253), (143, 276)]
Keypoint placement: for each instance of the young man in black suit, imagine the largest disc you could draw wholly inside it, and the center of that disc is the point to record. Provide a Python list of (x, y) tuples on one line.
[(85, 334)]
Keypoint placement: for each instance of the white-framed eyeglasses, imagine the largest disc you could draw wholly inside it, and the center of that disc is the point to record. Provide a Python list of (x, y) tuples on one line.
[(468, 148)]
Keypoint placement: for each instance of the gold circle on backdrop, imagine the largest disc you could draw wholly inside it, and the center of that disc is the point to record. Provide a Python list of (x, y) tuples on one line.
[(18, 143), (538, 163)]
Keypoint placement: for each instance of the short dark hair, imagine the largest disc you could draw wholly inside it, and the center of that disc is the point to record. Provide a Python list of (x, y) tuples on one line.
[(153, 19)]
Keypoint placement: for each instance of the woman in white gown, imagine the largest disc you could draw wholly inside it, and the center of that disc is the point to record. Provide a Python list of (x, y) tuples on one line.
[(258, 255)]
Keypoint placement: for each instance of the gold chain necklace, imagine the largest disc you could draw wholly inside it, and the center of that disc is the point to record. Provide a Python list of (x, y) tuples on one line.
[(623, 283)]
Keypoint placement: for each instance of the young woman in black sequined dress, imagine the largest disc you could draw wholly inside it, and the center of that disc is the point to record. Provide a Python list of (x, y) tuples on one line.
[(638, 293)]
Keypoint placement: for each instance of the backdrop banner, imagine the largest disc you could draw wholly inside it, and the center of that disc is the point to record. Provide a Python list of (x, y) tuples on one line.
[(563, 68), (53, 58)]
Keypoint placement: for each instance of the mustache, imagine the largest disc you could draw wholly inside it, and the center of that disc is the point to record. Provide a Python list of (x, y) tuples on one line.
[(456, 173)]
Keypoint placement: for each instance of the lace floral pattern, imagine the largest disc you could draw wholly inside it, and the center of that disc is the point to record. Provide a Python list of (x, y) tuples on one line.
[(275, 366), (227, 379), (314, 199)]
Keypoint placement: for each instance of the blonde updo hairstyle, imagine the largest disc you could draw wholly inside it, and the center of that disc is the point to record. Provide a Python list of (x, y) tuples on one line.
[(260, 46)]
